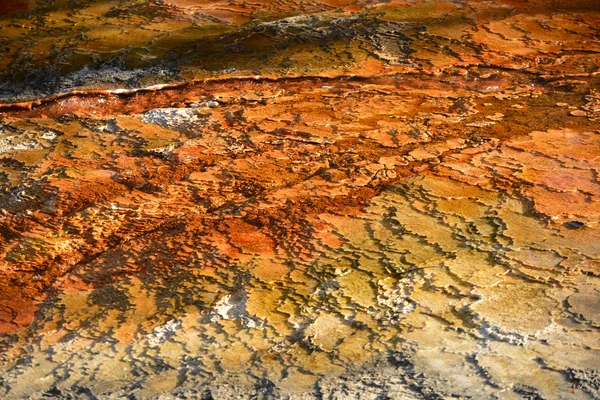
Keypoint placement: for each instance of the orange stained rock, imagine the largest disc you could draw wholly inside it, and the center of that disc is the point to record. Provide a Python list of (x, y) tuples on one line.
[(285, 199)]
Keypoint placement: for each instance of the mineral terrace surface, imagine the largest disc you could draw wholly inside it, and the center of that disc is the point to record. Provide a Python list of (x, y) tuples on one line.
[(299, 199)]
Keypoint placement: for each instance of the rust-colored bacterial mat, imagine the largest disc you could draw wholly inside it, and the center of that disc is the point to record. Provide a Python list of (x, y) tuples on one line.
[(299, 199)]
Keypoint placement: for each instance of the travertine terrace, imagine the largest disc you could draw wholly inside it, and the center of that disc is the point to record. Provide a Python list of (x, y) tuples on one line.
[(299, 199)]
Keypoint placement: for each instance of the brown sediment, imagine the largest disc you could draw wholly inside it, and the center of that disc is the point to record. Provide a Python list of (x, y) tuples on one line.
[(101, 103), (11, 6)]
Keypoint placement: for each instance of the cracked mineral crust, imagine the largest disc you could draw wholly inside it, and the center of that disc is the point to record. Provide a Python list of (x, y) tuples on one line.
[(302, 199)]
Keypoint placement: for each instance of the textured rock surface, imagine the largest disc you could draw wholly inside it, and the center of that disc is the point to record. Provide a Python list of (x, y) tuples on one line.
[(320, 199)]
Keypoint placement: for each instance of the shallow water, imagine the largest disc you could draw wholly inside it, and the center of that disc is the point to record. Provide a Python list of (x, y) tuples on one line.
[(338, 199)]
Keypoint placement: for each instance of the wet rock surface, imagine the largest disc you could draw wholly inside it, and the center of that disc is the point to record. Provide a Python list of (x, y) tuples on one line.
[(321, 199)]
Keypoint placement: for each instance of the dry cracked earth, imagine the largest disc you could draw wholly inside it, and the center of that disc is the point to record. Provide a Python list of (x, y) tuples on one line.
[(309, 199)]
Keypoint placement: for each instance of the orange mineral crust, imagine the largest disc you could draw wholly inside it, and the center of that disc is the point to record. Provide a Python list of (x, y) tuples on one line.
[(299, 199)]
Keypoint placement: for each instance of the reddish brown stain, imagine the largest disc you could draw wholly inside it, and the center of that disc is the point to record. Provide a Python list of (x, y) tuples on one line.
[(11, 6)]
